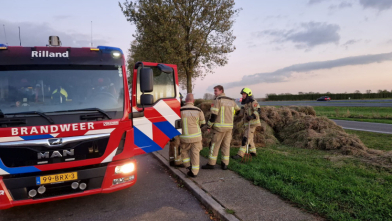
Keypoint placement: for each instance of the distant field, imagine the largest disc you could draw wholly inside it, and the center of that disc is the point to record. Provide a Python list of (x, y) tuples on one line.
[(365, 114)]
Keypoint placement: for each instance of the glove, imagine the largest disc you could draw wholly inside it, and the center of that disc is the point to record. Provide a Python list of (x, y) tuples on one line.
[(249, 118), (204, 127)]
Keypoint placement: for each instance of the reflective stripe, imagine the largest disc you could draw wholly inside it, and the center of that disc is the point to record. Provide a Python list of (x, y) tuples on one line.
[(225, 157), (186, 160), (222, 115), (252, 122), (190, 135), (197, 125), (202, 122), (233, 111), (223, 125), (185, 126), (178, 160), (212, 151), (214, 109), (195, 167), (210, 124)]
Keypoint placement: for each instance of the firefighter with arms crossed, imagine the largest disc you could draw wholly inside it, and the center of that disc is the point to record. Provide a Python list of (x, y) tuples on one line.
[(221, 121), (251, 116), (192, 118)]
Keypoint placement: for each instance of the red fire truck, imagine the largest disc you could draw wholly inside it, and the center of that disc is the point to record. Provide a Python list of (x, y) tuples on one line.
[(70, 125)]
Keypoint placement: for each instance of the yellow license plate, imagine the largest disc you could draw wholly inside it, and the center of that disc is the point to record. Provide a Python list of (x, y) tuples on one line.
[(57, 178)]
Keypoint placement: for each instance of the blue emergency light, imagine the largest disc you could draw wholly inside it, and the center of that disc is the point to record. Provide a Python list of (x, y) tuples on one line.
[(3, 46), (116, 52)]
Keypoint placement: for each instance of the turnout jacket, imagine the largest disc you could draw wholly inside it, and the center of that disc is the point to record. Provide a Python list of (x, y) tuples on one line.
[(192, 118), (252, 109), (222, 113)]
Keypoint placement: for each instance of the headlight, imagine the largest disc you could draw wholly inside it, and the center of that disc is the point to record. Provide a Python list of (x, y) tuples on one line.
[(126, 168)]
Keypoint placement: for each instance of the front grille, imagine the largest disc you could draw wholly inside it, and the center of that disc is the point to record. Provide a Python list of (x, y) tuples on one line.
[(28, 155), (20, 186)]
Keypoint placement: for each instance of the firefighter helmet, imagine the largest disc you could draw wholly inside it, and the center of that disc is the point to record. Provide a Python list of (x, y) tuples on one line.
[(247, 91)]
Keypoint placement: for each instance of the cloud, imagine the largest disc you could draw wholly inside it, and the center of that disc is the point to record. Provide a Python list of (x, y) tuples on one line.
[(309, 34), (286, 73), (376, 4), (342, 5), (37, 34), (350, 42), (312, 2), (61, 17)]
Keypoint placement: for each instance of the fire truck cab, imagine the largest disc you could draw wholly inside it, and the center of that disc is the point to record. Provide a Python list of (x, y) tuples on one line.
[(71, 120)]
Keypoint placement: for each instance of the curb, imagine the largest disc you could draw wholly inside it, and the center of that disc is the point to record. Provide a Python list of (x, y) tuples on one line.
[(218, 210)]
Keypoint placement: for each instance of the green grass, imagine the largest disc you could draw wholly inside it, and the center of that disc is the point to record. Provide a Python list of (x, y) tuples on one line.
[(382, 121), (374, 140), (334, 186), (365, 114)]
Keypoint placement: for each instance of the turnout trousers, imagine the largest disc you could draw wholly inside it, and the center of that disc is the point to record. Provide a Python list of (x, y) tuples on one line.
[(175, 151), (249, 139), (220, 140), (190, 154)]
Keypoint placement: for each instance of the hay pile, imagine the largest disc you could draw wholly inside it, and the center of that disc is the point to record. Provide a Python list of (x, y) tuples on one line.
[(299, 127), (293, 126)]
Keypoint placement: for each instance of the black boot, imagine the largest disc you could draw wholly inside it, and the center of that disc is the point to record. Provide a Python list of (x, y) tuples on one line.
[(223, 166), (190, 173), (180, 165), (208, 166), (172, 164), (253, 154), (236, 157)]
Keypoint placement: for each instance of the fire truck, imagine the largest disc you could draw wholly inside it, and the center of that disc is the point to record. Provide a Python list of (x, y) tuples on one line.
[(72, 121)]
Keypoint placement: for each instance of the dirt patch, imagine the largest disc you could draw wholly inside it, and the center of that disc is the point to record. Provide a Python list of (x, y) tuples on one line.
[(298, 126)]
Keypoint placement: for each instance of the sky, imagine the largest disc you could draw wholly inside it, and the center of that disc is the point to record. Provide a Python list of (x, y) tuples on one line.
[(282, 46)]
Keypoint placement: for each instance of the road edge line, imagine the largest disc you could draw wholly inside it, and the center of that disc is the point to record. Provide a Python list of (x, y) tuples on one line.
[(209, 202)]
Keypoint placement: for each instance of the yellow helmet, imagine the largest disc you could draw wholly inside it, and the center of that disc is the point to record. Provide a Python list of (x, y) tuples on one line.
[(247, 91)]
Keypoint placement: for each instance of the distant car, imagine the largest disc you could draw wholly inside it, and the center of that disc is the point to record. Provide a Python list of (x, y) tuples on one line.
[(324, 98)]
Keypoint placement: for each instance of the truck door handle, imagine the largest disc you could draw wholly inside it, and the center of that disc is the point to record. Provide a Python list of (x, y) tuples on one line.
[(178, 124)]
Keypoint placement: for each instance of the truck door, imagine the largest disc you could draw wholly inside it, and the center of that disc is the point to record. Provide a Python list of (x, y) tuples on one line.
[(155, 106)]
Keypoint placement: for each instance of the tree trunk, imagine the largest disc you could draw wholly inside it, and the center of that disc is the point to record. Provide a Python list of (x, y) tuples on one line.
[(189, 81)]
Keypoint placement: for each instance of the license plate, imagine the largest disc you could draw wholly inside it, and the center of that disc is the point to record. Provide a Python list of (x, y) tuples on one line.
[(58, 178)]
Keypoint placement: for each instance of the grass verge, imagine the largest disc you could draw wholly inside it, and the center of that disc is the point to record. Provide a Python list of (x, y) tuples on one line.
[(365, 114), (376, 141), (382, 121), (334, 186)]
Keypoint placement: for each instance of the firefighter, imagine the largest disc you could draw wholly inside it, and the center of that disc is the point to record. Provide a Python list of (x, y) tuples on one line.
[(192, 118), (251, 120), (175, 147), (221, 122)]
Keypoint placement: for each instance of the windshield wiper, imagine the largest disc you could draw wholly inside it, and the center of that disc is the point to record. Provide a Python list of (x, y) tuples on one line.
[(32, 112), (87, 109)]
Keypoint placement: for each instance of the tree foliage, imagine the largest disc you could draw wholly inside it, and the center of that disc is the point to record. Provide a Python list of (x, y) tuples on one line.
[(196, 35)]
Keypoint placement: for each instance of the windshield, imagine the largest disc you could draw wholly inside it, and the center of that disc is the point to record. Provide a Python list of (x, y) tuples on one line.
[(52, 90)]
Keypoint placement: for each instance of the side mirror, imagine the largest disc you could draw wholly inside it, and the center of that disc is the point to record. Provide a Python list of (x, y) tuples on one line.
[(146, 80), (146, 99)]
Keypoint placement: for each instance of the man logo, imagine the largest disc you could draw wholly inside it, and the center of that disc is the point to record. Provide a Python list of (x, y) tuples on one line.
[(55, 154), (1, 192)]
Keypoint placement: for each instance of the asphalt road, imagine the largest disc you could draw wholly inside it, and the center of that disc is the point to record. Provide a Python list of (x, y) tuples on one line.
[(155, 196), (337, 103), (365, 126)]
